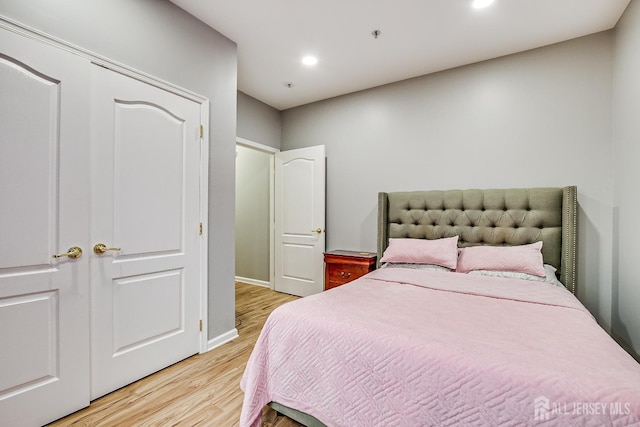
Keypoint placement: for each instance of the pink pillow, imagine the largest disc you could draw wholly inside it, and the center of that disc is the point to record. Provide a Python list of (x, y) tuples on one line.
[(523, 259), (443, 252)]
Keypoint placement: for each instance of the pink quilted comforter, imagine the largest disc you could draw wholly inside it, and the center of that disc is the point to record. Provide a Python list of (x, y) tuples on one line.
[(402, 347)]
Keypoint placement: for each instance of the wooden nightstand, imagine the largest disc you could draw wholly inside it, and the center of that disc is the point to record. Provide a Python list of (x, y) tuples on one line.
[(344, 266)]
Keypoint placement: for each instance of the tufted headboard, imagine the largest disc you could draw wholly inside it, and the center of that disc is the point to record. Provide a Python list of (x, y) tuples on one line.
[(505, 217)]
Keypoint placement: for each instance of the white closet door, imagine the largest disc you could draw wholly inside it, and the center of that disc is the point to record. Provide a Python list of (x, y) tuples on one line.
[(145, 210), (44, 193)]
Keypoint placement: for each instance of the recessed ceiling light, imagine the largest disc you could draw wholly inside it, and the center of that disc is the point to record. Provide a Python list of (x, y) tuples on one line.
[(479, 4), (309, 60)]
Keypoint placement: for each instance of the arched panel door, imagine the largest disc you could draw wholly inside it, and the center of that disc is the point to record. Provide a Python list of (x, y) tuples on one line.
[(300, 221), (44, 223), (145, 230)]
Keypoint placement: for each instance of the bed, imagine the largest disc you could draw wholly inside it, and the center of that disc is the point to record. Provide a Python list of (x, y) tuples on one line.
[(499, 339)]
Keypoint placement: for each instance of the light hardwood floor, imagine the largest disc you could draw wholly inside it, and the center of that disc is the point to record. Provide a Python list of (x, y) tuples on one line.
[(203, 390)]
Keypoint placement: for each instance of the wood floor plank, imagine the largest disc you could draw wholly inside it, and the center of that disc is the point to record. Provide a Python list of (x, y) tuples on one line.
[(203, 390)]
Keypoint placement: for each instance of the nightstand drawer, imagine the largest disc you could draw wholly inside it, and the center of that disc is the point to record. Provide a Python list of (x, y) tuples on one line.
[(343, 273), (344, 266)]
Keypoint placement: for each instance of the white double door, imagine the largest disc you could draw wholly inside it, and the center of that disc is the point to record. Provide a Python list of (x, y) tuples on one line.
[(89, 156)]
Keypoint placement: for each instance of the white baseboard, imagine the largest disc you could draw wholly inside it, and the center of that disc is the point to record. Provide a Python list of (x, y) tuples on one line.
[(253, 282), (222, 339)]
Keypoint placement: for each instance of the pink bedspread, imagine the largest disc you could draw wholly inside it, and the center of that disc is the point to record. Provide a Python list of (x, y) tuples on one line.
[(410, 348)]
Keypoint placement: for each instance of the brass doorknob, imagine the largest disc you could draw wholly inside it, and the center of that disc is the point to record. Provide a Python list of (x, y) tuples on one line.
[(101, 248), (318, 230), (72, 252)]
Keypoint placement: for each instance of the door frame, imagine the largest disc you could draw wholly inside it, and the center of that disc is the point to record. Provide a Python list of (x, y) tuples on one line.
[(272, 155), (102, 61)]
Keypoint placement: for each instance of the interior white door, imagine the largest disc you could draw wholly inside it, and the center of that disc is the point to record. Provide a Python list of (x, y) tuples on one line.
[(300, 221), (145, 205), (44, 193)]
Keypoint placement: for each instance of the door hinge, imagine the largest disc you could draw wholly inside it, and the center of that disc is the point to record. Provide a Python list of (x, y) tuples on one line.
[(200, 229), (201, 131), (200, 325)]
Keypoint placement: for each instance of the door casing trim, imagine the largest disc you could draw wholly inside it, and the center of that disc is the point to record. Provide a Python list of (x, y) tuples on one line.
[(272, 170)]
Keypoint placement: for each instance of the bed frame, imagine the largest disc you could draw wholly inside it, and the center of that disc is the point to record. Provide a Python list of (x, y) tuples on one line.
[(503, 217)]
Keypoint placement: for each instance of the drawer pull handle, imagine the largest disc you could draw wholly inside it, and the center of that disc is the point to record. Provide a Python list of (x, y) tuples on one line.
[(345, 275)]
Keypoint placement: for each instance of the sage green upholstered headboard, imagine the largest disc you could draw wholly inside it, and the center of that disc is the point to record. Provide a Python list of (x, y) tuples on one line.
[(504, 217)]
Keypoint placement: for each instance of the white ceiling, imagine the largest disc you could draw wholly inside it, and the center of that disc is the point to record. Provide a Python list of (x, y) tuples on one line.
[(417, 37)]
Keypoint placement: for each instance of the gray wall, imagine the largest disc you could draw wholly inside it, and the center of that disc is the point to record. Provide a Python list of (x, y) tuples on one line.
[(253, 169), (626, 175), (258, 122), (538, 118), (158, 38)]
